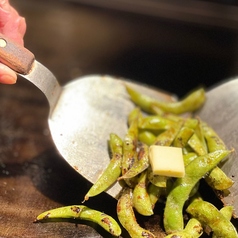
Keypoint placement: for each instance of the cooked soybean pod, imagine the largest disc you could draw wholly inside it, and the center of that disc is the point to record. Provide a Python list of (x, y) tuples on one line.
[(143, 101), (214, 142), (127, 217), (83, 213), (183, 136), (167, 137), (156, 123), (154, 193), (227, 212), (189, 157), (195, 143), (193, 229), (190, 103), (130, 142), (200, 134), (141, 199), (141, 164), (208, 214), (194, 171), (216, 178), (113, 170), (146, 137)]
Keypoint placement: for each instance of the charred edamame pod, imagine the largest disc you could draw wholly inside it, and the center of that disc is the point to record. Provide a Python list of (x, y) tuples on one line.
[(193, 229), (208, 214), (113, 170), (140, 165), (83, 213), (127, 217), (140, 199), (194, 171)]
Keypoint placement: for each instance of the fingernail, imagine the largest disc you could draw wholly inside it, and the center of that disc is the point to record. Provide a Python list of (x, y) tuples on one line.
[(8, 79)]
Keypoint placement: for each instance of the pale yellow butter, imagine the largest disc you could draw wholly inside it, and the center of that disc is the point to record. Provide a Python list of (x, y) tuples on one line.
[(167, 161)]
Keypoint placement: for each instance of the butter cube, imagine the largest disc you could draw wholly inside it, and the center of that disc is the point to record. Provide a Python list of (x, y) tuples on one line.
[(167, 161)]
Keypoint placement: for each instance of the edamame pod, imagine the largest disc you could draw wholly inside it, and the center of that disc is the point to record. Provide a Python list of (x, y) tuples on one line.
[(130, 145), (127, 217), (154, 193), (189, 157), (214, 142), (167, 137), (146, 137), (190, 103), (157, 180), (227, 212), (183, 136), (156, 123), (140, 165), (194, 171), (140, 199), (193, 229), (208, 214), (83, 213), (143, 101), (195, 143), (216, 178), (113, 170)]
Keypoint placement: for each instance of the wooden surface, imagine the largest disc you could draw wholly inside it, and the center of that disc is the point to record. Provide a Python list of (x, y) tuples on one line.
[(74, 40)]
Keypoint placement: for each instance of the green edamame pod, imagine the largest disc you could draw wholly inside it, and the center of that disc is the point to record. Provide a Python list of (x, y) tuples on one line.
[(127, 217), (83, 213), (113, 170), (143, 101), (130, 144), (218, 180), (140, 199), (197, 146), (208, 214), (140, 165), (167, 137), (201, 136), (227, 211), (154, 193), (157, 180), (191, 123), (183, 136), (194, 171), (214, 142), (189, 157), (193, 229), (146, 137), (190, 103), (156, 123)]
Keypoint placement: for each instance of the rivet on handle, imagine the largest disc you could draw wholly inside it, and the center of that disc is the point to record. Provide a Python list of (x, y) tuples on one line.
[(15, 56)]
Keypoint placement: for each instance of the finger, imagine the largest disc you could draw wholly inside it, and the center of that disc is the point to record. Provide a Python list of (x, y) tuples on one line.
[(7, 76)]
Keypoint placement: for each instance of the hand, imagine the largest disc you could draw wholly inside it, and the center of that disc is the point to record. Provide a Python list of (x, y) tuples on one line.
[(14, 27)]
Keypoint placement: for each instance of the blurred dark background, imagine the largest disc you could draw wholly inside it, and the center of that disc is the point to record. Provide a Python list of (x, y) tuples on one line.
[(174, 46)]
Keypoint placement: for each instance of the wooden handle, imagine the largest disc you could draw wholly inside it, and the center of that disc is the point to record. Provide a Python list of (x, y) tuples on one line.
[(15, 56)]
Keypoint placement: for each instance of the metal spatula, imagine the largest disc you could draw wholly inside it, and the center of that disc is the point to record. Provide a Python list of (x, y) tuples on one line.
[(85, 111)]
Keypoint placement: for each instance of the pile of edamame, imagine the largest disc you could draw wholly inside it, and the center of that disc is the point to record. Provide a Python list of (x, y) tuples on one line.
[(163, 124)]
